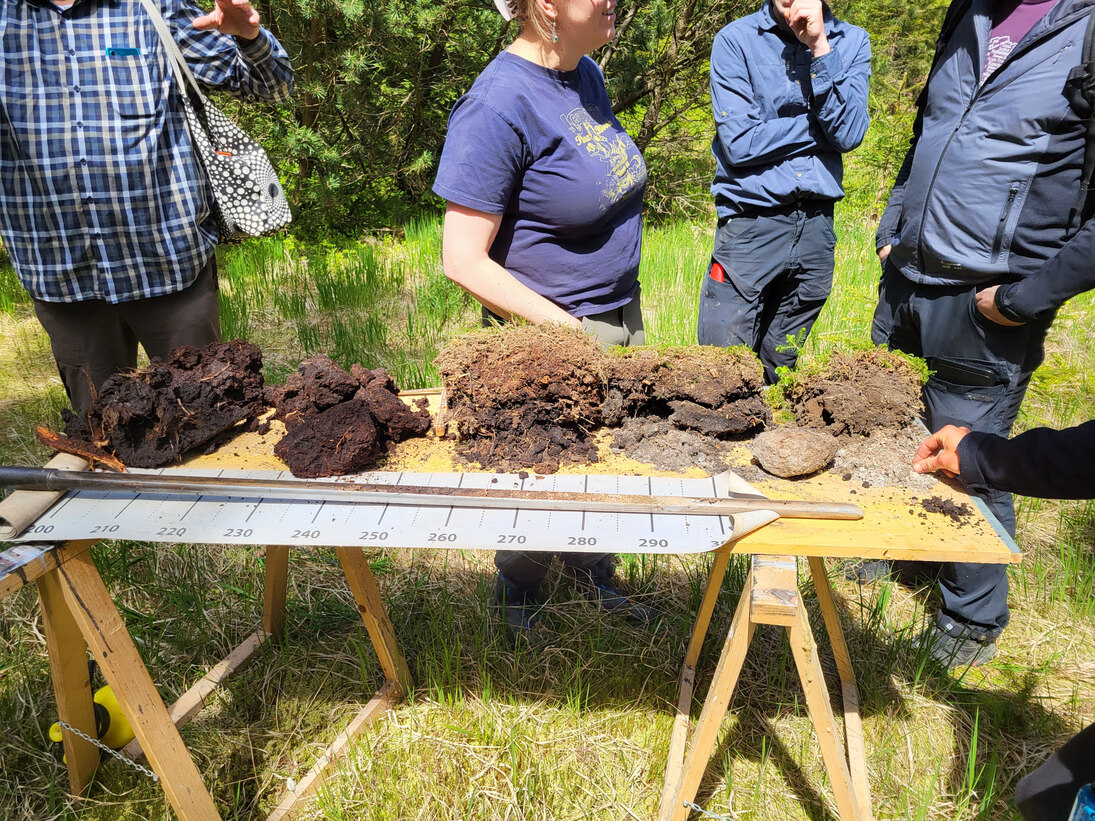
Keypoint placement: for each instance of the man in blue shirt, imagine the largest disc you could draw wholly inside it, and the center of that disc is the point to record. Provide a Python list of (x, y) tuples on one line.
[(105, 210), (789, 93)]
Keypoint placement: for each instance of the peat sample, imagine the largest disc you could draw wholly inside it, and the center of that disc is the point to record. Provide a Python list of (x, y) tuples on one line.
[(150, 417), (716, 391), (857, 392), (338, 423), (524, 396)]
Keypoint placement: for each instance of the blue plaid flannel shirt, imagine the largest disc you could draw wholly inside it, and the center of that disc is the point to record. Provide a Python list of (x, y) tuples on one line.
[(101, 195)]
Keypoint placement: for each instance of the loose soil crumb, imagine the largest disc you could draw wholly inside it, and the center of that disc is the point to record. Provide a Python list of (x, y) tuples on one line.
[(150, 417), (957, 512), (883, 459), (858, 392)]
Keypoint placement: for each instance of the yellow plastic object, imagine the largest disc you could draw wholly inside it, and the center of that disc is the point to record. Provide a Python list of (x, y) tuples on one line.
[(117, 732)]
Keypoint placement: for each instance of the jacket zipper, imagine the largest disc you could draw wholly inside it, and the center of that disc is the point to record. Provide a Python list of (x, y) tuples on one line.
[(998, 242), (1085, 9)]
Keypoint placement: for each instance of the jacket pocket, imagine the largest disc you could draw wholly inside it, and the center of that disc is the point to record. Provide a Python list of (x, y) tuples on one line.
[(1001, 242)]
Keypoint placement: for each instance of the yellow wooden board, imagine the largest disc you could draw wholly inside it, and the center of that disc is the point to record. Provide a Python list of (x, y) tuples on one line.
[(896, 524)]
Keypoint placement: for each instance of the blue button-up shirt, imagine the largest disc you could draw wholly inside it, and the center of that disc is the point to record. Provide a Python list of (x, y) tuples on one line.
[(783, 118), (101, 194)]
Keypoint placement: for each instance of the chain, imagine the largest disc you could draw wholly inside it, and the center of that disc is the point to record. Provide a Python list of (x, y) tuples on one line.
[(702, 811), (65, 725)]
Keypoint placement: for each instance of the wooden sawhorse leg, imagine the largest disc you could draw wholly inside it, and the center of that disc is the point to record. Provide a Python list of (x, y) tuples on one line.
[(771, 597), (74, 596), (190, 703)]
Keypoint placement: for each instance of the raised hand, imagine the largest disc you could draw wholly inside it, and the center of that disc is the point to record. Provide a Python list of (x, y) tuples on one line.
[(807, 20), (234, 17)]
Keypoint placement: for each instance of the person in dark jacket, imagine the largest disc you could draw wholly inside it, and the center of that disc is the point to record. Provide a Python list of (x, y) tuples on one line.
[(1058, 464), (979, 249), (789, 94)]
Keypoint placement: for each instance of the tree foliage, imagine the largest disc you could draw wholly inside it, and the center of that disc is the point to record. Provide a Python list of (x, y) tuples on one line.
[(358, 147)]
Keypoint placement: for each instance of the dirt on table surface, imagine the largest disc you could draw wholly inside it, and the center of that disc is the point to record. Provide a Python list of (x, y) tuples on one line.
[(858, 392), (532, 396), (151, 416)]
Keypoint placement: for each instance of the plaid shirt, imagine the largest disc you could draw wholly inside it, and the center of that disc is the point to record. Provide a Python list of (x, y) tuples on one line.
[(101, 194)]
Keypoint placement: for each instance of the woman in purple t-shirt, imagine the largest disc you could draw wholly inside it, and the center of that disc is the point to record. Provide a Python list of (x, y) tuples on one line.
[(544, 219)]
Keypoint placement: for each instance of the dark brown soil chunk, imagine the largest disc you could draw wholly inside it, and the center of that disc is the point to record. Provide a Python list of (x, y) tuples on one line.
[(340, 440), (524, 396), (316, 385), (680, 383), (857, 392), (950, 509), (150, 417), (339, 422), (791, 451)]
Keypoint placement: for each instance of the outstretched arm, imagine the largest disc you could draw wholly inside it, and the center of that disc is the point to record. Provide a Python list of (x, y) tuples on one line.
[(1056, 464)]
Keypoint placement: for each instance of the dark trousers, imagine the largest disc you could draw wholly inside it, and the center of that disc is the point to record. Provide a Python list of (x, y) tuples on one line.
[(778, 273), (1047, 794), (524, 570), (94, 339), (981, 371)]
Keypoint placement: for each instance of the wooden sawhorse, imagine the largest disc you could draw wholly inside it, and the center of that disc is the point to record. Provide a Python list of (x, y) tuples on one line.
[(770, 596), (79, 615)]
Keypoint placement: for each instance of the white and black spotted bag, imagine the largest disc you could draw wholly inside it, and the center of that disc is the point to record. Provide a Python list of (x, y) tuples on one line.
[(248, 198)]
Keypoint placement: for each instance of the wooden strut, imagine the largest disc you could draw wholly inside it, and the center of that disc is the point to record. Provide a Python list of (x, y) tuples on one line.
[(770, 597), (78, 615), (51, 479)]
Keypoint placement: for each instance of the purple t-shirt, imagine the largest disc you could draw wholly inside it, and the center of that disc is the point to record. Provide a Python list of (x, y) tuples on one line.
[(542, 148), (1010, 24)]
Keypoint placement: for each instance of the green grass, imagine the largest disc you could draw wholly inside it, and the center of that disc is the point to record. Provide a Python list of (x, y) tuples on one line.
[(581, 728)]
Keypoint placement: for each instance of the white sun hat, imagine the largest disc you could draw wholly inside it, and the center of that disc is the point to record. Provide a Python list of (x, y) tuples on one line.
[(506, 8)]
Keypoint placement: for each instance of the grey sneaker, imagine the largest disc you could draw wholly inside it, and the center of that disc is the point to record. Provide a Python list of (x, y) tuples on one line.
[(951, 652), (519, 611)]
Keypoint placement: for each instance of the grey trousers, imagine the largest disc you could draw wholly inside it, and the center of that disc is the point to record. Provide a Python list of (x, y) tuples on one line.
[(94, 339), (981, 371)]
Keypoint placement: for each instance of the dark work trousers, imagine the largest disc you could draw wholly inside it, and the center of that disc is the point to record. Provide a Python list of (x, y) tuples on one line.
[(981, 371), (778, 272), (1047, 794), (525, 570), (93, 339)]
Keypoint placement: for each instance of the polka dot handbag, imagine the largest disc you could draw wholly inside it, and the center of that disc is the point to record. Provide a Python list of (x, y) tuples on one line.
[(248, 198)]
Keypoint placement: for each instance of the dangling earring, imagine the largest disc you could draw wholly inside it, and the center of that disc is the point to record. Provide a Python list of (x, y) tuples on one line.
[(554, 33)]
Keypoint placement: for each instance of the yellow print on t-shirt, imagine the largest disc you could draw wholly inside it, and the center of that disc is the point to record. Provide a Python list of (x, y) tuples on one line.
[(626, 171)]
